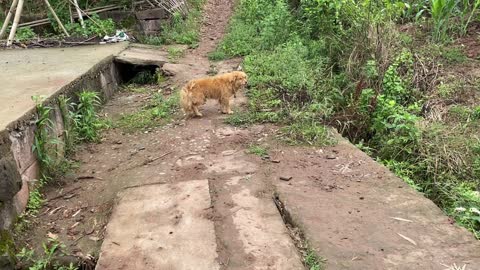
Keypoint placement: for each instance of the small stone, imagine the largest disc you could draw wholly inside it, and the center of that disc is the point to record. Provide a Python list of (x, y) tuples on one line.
[(286, 178), (330, 157), (228, 152), (275, 161), (361, 198)]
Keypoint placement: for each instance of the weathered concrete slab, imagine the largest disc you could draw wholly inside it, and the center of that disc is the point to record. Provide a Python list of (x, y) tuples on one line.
[(143, 55), (163, 226), (261, 230), (385, 223), (26, 73)]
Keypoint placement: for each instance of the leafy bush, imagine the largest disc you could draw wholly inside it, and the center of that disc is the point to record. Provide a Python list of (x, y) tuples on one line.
[(93, 26), (86, 121), (257, 25), (24, 33), (286, 70), (180, 30)]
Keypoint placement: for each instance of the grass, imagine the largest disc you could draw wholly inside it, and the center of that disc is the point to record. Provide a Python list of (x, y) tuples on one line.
[(175, 53), (313, 261), (158, 112), (217, 55), (257, 150), (310, 133), (45, 260)]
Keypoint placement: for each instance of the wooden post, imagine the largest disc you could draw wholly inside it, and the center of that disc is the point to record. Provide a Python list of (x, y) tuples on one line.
[(56, 18), (80, 17), (13, 31), (8, 18)]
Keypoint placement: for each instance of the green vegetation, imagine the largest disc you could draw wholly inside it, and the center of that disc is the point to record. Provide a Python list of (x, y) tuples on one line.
[(24, 33), (394, 94), (44, 261), (313, 261), (174, 53), (93, 27), (85, 119), (180, 30), (81, 124), (159, 111), (257, 150)]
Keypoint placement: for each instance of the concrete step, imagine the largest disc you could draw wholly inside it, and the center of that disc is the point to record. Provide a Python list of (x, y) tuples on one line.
[(358, 215), (164, 226)]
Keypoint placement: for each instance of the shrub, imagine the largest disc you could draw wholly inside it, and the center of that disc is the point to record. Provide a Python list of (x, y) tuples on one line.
[(86, 121), (93, 26)]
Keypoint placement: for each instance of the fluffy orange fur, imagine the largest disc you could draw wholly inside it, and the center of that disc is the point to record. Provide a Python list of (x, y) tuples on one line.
[(220, 87)]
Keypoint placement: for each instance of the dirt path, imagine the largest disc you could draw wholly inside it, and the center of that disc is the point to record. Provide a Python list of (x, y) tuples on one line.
[(188, 196)]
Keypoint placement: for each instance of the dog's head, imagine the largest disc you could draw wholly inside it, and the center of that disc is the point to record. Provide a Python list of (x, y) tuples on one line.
[(240, 78)]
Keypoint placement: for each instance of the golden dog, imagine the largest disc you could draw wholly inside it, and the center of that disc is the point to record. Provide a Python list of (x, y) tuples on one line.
[(220, 87)]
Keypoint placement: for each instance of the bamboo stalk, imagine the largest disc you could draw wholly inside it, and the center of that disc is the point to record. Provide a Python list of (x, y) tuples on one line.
[(56, 18), (8, 18), (71, 13), (13, 31), (79, 12), (47, 21), (150, 3), (90, 18)]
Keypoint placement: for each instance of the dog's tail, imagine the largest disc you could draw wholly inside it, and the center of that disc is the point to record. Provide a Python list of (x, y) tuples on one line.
[(186, 98)]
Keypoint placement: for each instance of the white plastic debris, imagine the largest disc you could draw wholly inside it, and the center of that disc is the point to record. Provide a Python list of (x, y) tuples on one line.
[(119, 36), (475, 210)]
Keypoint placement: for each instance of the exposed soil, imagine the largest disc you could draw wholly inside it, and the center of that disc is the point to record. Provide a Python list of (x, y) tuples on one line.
[(249, 231)]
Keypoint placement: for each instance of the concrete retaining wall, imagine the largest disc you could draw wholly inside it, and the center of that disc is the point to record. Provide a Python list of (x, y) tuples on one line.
[(18, 164)]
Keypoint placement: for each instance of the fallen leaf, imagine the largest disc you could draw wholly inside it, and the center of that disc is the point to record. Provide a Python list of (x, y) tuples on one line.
[(52, 235)]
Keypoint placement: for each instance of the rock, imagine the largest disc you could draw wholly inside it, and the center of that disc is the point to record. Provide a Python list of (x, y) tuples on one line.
[(286, 178), (170, 69), (10, 179), (330, 157), (275, 161), (228, 152)]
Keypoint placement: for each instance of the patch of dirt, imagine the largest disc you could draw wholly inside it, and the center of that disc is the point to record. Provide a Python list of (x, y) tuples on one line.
[(470, 42)]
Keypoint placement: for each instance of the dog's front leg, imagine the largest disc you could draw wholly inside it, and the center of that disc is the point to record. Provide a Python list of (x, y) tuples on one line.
[(197, 113)]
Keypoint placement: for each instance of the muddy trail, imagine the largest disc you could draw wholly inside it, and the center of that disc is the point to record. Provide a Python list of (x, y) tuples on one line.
[(190, 195)]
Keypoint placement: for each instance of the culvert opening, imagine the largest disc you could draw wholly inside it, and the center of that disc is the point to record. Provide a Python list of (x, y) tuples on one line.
[(309, 256), (138, 74)]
